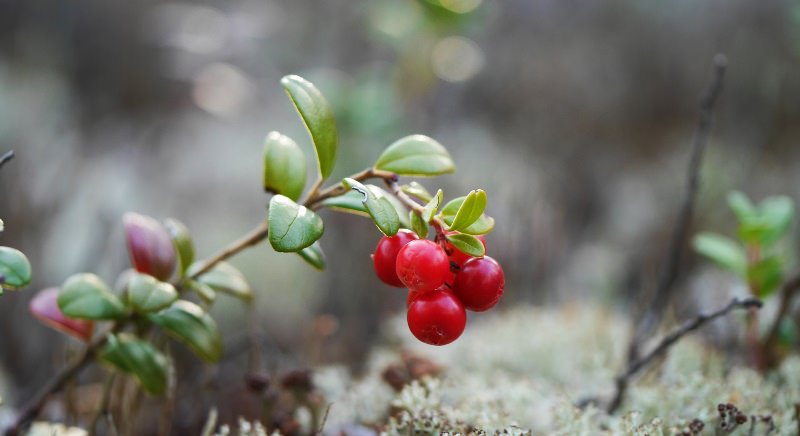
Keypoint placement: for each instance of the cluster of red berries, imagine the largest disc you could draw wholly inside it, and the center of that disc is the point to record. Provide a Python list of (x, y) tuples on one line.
[(442, 283)]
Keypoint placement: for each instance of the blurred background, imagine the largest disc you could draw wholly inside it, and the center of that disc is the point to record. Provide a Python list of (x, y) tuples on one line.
[(575, 117)]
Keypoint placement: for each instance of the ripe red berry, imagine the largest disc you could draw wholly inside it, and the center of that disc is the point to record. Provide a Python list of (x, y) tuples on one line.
[(385, 257), (436, 317), (479, 284), (459, 257), (423, 265)]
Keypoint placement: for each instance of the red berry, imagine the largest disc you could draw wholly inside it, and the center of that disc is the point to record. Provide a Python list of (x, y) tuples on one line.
[(413, 294), (149, 245), (436, 317), (459, 257), (385, 257), (479, 284), (423, 265)]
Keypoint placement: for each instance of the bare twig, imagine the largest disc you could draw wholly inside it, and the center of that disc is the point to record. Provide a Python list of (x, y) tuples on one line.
[(7, 156), (669, 273), (324, 419), (253, 237), (788, 292), (695, 323)]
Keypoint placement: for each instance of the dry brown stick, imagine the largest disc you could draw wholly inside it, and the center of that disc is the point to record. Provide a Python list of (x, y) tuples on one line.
[(669, 340), (669, 273)]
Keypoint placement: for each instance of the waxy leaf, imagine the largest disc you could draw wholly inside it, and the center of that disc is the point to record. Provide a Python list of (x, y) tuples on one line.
[(135, 356), (205, 292), (484, 224), (292, 227), (188, 323), (351, 202), (414, 189), (226, 278), (44, 306), (86, 296), (416, 155), (419, 226), (318, 118), (726, 252), (765, 276), (146, 294), (467, 244), (182, 241), (470, 210), (149, 245), (284, 166), (398, 206), (380, 209), (432, 207), (314, 255), (14, 268)]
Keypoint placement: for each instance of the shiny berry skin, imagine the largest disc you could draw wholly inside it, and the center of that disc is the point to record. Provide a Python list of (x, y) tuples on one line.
[(459, 257), (436, 317), (479, 284), (423, 265), (385, 257)]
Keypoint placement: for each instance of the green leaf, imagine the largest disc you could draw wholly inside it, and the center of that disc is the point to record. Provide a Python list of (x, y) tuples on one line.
[(284, 166), (399, 207), (777, 212), (765, 276), (226, 278), (188, 323), (483, 225), (205, 292), (380, 209), (467, 244), (135, 356), (741, 205), (314, 255), (318, 118), (416, 155), (414, 189), (470, 210), (182, 240), (292, 227), (86, 296), (726, 252), (146, 294), (15, 268), (432, 207), (350, 202), (419, 226)]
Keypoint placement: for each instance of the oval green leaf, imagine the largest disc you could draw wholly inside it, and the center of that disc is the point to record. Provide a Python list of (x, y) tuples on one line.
[(188, 323), (227, 279), (182, 240), (470, 210), (350, 202), (741, 205), (284, 166), (314, 255), (414, 189), (726, 252), (467, 244), (318, 117), (381, 210), (292, 227), (483, 225), (416, 155), (146, 294), (15, 268), (419, 226), (765, 276), (135, 356), (205, 292), (432, 207), (86, 296), (399, 207)]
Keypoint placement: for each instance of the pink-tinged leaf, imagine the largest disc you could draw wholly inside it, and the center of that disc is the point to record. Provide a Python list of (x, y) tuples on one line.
[(44, 306), (149, 245)]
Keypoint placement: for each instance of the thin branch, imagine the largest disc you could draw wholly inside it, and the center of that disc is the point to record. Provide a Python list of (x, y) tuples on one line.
[(324, 419), (7, 156), (669, 273), (255, 236), (689, 326), (788, 292)]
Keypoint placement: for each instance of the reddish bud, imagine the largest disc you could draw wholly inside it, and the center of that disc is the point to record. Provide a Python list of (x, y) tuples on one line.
[(44, 306), (149, 246)]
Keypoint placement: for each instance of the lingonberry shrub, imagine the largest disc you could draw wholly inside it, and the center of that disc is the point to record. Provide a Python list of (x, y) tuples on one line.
[(168, 293)]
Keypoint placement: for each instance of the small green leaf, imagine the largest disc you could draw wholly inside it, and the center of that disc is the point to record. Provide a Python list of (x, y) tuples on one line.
[(15, 268), (314, 255), (86, 296), (205, 292), (188, 323), (419, 226), (380, 209), (778, 212), (284, 166), (765, 276), (132, 355), (726, 252), (414, 189), (470, 210), (350, 202), (318, 118), (467, 244), (416, 155), (398, 206), (182, 240), (483, 225), (741, 205), (292, 227), (146, 294), (226, 278), (432, 207)]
